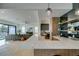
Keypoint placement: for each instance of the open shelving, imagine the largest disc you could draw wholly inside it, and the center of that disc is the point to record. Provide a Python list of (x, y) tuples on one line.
[(69, 21), (64, 27)]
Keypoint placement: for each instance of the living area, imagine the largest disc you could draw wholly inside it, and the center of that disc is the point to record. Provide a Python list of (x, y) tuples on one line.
[(30, 26)]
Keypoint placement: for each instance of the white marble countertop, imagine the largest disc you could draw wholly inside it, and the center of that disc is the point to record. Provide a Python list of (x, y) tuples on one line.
[(41, 43)]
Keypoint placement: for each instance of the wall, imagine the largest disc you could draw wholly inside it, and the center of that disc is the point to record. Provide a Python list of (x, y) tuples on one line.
[(36, 24), (55, 25), (45, 21)]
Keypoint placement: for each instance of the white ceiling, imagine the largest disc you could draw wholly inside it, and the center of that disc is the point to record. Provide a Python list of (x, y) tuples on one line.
[(35, 5), (17, 16), (55, 13), (19, 13)]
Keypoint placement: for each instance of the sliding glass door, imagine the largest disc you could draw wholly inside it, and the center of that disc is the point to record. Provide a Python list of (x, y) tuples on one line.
[(3, 31), (6, 30)]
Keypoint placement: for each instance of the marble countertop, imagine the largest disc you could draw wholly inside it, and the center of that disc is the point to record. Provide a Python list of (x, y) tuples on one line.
[(41, 43)]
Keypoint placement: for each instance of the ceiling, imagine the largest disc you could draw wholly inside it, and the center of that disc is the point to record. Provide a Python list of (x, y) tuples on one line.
[(17, 16), (35, 5), (26, 12)]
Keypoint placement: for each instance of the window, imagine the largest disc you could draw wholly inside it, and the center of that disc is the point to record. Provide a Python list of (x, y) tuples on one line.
[(5, 30), (23, 30), (12, 30)]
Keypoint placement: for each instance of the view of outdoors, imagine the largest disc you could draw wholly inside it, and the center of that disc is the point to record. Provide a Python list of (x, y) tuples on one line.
[(5, 30)]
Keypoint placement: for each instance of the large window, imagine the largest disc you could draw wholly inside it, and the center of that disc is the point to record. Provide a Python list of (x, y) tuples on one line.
[(6, 29), (3, 31)]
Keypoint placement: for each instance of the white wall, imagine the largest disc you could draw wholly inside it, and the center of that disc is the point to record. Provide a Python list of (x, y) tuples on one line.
[(36, 24), (45, 21)]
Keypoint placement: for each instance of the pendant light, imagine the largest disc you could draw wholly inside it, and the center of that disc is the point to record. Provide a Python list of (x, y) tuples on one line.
[(49, 10)]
